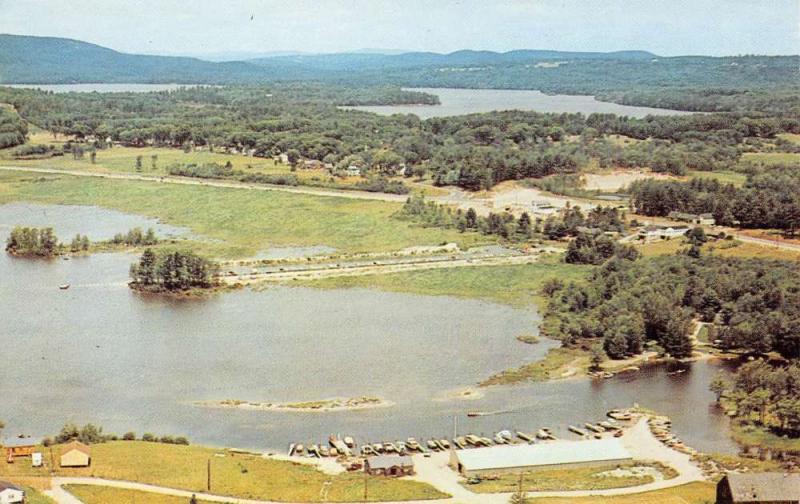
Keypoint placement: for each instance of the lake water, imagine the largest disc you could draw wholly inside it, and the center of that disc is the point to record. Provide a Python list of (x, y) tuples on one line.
[(101, 353), (469, 101), (101, 88)]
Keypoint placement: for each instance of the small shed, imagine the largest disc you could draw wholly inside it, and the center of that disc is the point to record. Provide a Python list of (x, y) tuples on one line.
[(759, 488), (389, 465), (76, 454), (20, 447), (11, 494)]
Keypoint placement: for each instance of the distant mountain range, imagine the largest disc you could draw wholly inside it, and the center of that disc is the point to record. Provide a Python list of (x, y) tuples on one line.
[(51, 60)]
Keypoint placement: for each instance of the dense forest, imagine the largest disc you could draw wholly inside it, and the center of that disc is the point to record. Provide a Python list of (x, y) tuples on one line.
[(473, 151), (769, 199), (28, 241), (754, 304)]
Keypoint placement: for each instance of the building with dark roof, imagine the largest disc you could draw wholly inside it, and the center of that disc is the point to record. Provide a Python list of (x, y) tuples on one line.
[(389, 465), (761, 488)]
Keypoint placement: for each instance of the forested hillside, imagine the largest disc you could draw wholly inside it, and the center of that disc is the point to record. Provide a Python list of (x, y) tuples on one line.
[(12, 128), (766, 84)]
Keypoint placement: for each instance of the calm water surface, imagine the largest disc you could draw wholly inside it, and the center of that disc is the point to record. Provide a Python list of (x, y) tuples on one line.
[(469, 101), (101, 353)]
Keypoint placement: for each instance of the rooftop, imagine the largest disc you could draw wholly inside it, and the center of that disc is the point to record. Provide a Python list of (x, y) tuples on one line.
[(764, 487), (389, 461), (562, 452), (5, 485), (76, 445)]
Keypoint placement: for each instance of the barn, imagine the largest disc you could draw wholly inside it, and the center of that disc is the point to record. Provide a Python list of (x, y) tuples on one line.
[(759, 488), (516, 458), (389, 465)]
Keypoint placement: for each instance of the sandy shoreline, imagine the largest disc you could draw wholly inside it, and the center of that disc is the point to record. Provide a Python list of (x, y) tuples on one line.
[(321, 406)]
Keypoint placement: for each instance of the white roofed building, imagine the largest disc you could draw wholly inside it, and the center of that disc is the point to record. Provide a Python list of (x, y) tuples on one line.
[(515, 458)]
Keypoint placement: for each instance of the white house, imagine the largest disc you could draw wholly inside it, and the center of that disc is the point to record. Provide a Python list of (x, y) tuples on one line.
[(352, 171), (11, 494)]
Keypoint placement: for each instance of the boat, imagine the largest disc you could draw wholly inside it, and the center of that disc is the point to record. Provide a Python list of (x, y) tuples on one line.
[(349, 441), (341, 446), (433, 445), (619, 415), (389, 447), (609, 426), (473, 439), (291, 449), (377, 447), (443, 444), (367, 450), (594, 428), (413, 444), (506, 434), (313, 451), (486, 441), (401, 447), (525, 437), (298, 449), (323, 451), (500, 439), (334, 452), (64, 286), (460, 442), (576, 430), (541, 434)]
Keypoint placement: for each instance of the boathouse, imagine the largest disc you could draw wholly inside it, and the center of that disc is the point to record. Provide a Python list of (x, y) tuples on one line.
[(515, 458), (763, 488), (76, 454), (389, 465), (11, 494)]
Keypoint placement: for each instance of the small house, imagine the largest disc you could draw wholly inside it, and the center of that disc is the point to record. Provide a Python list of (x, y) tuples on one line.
[(11, 494), (352, 171), (704, 219), (36, 459), (759, 488), (21, 447), (76, 454), (389, 465)]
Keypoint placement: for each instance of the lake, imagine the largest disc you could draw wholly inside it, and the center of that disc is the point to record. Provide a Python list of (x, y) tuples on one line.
[(101, 87), (469, 101), (101, 353)]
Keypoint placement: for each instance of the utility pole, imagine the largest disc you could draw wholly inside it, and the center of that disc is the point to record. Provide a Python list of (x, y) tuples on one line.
[(455, 427), (366, 484), (208, 475)]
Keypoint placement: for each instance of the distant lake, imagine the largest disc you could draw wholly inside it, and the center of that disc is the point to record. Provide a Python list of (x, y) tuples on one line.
[(469, 101), (101, 88)]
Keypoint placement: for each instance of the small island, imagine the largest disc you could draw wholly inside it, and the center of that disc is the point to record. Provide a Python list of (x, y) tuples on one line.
[(173, 271), (321, 406)]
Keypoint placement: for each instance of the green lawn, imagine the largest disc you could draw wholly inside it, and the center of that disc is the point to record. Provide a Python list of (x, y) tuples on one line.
[(516, 285), (241, 222), (90, 494), (239, 475), (581, 478), (692, 493)]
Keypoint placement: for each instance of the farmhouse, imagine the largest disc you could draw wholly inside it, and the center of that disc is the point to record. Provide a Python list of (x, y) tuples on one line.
[(76, 454), (515, 458), (11, 494), (389, 465), (23, 447), (764, 488)]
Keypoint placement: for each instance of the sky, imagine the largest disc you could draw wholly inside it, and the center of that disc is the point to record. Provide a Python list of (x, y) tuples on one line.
[(241, 27)]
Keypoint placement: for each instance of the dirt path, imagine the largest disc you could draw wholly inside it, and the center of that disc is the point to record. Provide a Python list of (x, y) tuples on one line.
[(313, 272)]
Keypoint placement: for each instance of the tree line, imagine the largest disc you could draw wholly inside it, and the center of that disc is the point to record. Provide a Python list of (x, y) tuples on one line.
[(769, 199)]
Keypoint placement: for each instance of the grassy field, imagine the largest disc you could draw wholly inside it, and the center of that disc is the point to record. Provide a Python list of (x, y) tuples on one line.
[(791, 137), (561, 362), (90, 494), (725, 248), (693, 493), (517, 285), (241, 222), (239, 475), (582, 478), (753, 435), (771, 157), (724, 176)]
